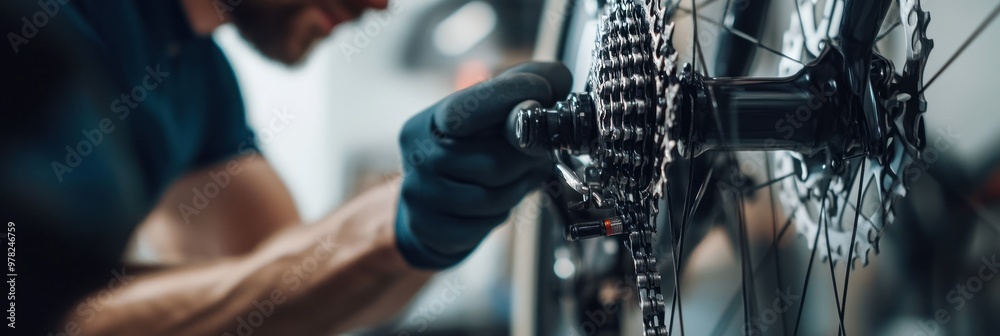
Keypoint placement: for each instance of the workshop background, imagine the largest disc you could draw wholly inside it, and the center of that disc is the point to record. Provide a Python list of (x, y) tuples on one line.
[(351, 97)]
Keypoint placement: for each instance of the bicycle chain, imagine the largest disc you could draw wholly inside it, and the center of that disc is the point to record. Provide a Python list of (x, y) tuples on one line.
[(633, 120)]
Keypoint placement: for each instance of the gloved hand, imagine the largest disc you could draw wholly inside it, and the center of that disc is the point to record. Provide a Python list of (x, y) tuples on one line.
[(461, 177)]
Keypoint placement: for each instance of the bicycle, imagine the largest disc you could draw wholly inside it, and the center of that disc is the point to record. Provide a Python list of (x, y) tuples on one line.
[(844, 123)]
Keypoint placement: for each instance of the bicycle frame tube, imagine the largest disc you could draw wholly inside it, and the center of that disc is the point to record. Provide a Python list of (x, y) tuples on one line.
[(735, 55), (814, 110)]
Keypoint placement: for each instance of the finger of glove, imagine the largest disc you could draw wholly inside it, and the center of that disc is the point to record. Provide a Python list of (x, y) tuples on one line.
[(481, 110), (464, 199), (558, 75), (488, 104), (489, 162), (459, 235), (485, 161)]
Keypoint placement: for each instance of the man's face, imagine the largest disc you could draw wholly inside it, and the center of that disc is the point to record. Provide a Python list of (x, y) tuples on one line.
[(285, 30)]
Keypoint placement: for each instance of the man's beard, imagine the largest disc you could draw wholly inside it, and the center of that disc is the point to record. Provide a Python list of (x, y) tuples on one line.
[(277, 32)]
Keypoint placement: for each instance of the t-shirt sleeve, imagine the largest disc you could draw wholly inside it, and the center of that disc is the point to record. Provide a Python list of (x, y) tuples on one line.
[(227, 134)]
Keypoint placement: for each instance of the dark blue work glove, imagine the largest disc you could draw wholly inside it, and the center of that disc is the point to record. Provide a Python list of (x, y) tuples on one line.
[(461, 177)]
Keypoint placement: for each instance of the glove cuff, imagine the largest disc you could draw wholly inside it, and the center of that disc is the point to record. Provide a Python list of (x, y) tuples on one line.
[(415, 252)]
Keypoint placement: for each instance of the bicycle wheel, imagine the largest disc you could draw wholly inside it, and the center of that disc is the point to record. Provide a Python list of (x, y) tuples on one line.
[(843, 129), (813, 193)]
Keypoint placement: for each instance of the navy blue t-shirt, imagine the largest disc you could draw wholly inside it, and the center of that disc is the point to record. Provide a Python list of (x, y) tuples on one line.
[(105, 104)]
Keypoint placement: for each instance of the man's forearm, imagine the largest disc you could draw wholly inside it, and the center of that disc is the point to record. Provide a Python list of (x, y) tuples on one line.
[(336, 275), (249, 208)]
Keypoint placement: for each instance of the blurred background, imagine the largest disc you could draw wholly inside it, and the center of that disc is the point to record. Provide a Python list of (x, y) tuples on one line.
[(351, 97)]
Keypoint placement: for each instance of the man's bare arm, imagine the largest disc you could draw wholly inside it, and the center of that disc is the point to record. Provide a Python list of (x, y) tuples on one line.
[(336, 275), (220, 211)]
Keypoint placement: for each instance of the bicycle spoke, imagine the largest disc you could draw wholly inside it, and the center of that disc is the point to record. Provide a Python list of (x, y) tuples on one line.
[(696, 53), (865, 218), (850, 253), (968, 41), (725, 12), (798, 11), (805, 285), (774, 235), (753, 189), (833, 276), (699, 55), (685, 220), (703, 4), (676, 301), (751, 280), (727, 316), (829, 253), (701, 191), (882, 211), (829, 16), (744, 36), (887, 31), (742, 244)]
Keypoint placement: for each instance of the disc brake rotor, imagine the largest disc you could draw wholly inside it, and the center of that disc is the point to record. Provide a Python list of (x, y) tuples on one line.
[(819, 199)]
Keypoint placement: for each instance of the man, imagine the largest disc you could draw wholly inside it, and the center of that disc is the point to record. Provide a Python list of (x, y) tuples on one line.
[(119, 111)]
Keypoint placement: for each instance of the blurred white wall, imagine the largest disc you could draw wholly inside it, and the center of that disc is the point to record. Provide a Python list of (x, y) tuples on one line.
[(964, 97), (346, 108)]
